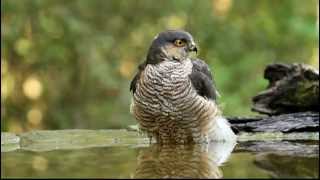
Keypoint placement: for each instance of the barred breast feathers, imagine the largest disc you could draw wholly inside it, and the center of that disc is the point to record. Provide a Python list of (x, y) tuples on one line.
[(166, 101)]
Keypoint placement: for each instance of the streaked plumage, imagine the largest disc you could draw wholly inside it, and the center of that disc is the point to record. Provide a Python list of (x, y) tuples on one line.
[(174, 95)]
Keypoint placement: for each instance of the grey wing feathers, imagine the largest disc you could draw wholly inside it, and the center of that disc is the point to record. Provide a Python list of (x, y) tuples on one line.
[(133, 84), (202, 80)]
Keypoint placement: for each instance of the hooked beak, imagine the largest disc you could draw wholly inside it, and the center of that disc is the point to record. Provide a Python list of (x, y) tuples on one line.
[(193, 47)]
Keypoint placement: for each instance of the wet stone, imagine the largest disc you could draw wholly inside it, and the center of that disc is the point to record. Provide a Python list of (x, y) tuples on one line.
[(9, 142)]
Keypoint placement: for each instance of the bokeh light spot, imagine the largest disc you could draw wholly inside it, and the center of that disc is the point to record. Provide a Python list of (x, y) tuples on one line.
[(176, 22), (7, 85), (22, 46), (221, 7), (126, 68), (34, 116), (32, 88)]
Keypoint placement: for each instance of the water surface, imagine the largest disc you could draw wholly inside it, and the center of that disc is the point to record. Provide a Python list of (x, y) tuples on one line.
[(244, 160)]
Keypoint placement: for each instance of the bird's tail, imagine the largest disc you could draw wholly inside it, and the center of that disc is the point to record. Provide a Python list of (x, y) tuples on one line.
[(221, 130)]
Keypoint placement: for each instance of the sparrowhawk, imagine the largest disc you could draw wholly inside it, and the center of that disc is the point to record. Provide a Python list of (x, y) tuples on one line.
[(174, 96)]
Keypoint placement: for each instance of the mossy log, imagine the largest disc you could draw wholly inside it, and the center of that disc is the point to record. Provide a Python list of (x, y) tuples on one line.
[(292, 88), (290, 103)]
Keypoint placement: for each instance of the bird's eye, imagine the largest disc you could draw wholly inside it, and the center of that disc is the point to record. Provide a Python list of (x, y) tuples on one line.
[(179, 43)]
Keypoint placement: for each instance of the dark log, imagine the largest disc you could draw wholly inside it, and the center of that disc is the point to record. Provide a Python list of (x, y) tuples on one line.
[(289, 148), (292, 88), (286, 123)]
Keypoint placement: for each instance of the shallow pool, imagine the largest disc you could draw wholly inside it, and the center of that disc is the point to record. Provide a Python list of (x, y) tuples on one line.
[(253, 159)]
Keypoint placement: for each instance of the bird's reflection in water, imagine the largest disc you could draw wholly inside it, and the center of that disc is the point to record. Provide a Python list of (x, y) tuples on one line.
[(183, 161)]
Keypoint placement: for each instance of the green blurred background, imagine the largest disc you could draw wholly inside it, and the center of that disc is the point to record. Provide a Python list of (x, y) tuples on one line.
[(68, 64)]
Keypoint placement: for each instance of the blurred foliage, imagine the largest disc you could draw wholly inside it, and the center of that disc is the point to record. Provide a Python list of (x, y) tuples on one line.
[(68, 64)]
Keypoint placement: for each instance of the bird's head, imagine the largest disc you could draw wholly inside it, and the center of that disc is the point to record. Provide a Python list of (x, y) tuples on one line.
[(171, 45)]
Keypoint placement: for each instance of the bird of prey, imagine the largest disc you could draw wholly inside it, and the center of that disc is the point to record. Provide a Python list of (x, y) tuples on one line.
[(174, 96)]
